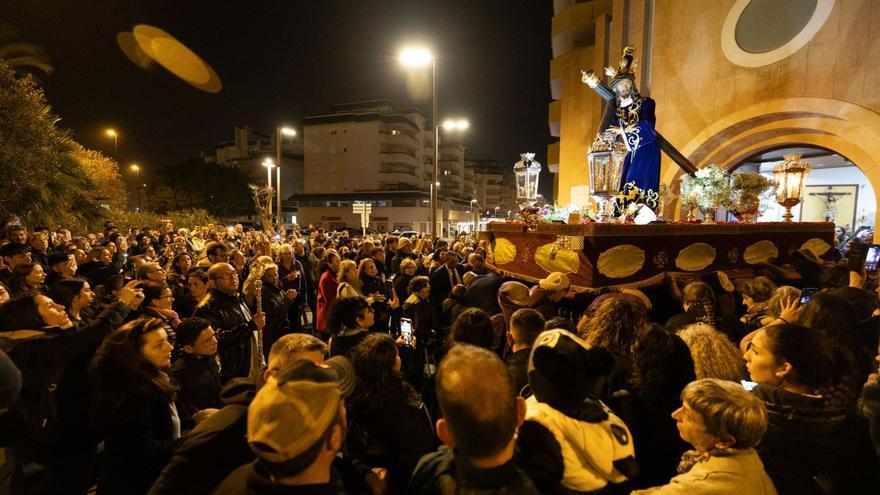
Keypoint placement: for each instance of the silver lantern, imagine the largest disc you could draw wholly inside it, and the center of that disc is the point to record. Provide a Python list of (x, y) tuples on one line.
[(527, 171), (605, 166)]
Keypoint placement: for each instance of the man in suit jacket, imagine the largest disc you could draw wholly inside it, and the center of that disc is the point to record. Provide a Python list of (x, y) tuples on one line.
[(443, 279)]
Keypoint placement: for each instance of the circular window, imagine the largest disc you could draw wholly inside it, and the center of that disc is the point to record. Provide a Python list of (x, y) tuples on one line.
[(760, 32)]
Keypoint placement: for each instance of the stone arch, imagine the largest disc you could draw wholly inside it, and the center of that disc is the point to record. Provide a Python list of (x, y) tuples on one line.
[(850, 130)]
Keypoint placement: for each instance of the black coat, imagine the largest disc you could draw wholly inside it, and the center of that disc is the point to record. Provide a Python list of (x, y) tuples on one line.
[(275, 306), (394, 435), (233, 328), (199, 380), (213, 449), (55, 356), (807, 439), (518, 365), (483, 293), (138, 438), (440, 472)]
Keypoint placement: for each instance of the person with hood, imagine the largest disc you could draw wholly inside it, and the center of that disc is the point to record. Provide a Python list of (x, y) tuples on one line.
[(545, 296), (570, 440)]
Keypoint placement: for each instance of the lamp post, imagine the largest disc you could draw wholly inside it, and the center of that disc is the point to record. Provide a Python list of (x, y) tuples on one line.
[(268, 163), (137, 171), (279, 132), (112, 133), (474, 213), (421, 57)]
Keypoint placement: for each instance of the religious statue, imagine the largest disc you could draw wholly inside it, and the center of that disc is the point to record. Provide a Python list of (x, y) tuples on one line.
[(632, 116)]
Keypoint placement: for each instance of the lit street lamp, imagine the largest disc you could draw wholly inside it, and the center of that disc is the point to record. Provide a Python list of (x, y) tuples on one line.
[(137, 171), (112, 133), (279, 132), (474, 213), (268, 163), (421, 57)]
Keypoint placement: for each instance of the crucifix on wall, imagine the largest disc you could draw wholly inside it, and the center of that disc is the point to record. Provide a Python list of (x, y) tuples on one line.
[(830, 197)]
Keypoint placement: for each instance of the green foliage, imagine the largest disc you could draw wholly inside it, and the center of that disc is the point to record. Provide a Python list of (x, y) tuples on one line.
[(49, 179), (222, 191), (125, 220)]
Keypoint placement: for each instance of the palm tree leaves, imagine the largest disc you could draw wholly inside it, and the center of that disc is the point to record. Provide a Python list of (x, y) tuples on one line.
[(21, 55)]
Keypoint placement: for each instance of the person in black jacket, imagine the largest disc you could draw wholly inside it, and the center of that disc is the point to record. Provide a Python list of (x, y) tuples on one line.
[(236, 328), (276, 302), (197, 370), (525, 326), (389, 425), (218, 445), (661, 367), (101, 265), (481, 414), (134, 406), (53, 353), (813, 444)]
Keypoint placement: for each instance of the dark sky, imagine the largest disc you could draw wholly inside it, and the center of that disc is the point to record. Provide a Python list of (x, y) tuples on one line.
[(282, 60)]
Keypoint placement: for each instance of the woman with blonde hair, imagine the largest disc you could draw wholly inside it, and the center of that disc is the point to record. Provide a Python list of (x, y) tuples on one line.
[(724, 424), (347, 278), (714, 354)]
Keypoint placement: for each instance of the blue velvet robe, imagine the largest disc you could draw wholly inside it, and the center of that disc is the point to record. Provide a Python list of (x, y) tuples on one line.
[(642, 163)]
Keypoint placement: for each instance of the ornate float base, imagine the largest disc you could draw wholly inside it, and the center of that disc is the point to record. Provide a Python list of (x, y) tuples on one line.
[(606, 255)]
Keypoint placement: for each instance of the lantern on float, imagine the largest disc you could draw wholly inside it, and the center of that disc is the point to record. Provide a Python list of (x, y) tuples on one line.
[(790, 175), (527, 171), (604, 167)]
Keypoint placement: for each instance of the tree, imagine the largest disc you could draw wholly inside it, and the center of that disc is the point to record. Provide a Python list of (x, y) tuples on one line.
[(48, 178), (20, 55), (222, 191)]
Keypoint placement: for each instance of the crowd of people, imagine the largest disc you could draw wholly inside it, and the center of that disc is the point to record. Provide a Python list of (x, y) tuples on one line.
[(225, 360)]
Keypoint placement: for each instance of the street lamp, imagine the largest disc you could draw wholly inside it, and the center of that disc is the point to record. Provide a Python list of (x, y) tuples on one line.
[(112, 133), (268, 163), (474, 213), (496, 211), (420, 57), (137, 171), (279, 132)]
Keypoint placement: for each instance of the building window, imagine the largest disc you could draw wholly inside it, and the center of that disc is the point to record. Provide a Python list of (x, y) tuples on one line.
[(333, 131), (395, 132), (332, 150)]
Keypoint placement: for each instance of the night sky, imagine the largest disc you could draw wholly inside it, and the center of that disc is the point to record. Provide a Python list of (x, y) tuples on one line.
[(280, 61)]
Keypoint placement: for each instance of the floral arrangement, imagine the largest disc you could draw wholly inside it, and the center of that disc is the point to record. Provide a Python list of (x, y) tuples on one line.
[(708, 188), (554, 213), (750, 193)]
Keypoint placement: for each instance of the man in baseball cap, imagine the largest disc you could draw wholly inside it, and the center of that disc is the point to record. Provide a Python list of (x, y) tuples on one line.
[(296, 426)]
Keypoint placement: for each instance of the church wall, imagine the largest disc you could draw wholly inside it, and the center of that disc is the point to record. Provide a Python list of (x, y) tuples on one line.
[(826, 93)]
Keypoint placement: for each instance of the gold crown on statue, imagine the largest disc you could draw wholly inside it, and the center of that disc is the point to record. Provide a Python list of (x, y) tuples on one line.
[(626, 66)]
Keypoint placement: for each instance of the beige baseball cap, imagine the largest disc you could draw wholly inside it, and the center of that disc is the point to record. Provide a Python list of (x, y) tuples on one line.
[(292, 411)]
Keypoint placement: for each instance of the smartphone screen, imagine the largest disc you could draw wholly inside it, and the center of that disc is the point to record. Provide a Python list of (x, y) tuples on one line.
[(807, 294), (748, 385), (406, 331), (873, 259), (857, 253)]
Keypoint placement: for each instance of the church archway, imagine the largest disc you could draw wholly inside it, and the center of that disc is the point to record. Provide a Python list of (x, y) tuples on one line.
[(846, 129)]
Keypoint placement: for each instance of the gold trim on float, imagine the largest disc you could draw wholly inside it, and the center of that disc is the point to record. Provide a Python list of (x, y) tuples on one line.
[(816, 246), (504, 251), (621, 261), (761, 252), (695, 257), (562, 260)]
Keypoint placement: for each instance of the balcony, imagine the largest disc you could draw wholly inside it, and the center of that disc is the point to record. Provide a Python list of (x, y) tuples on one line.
[(399, 158), (397, 186), (398, 148), (397, 168)]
